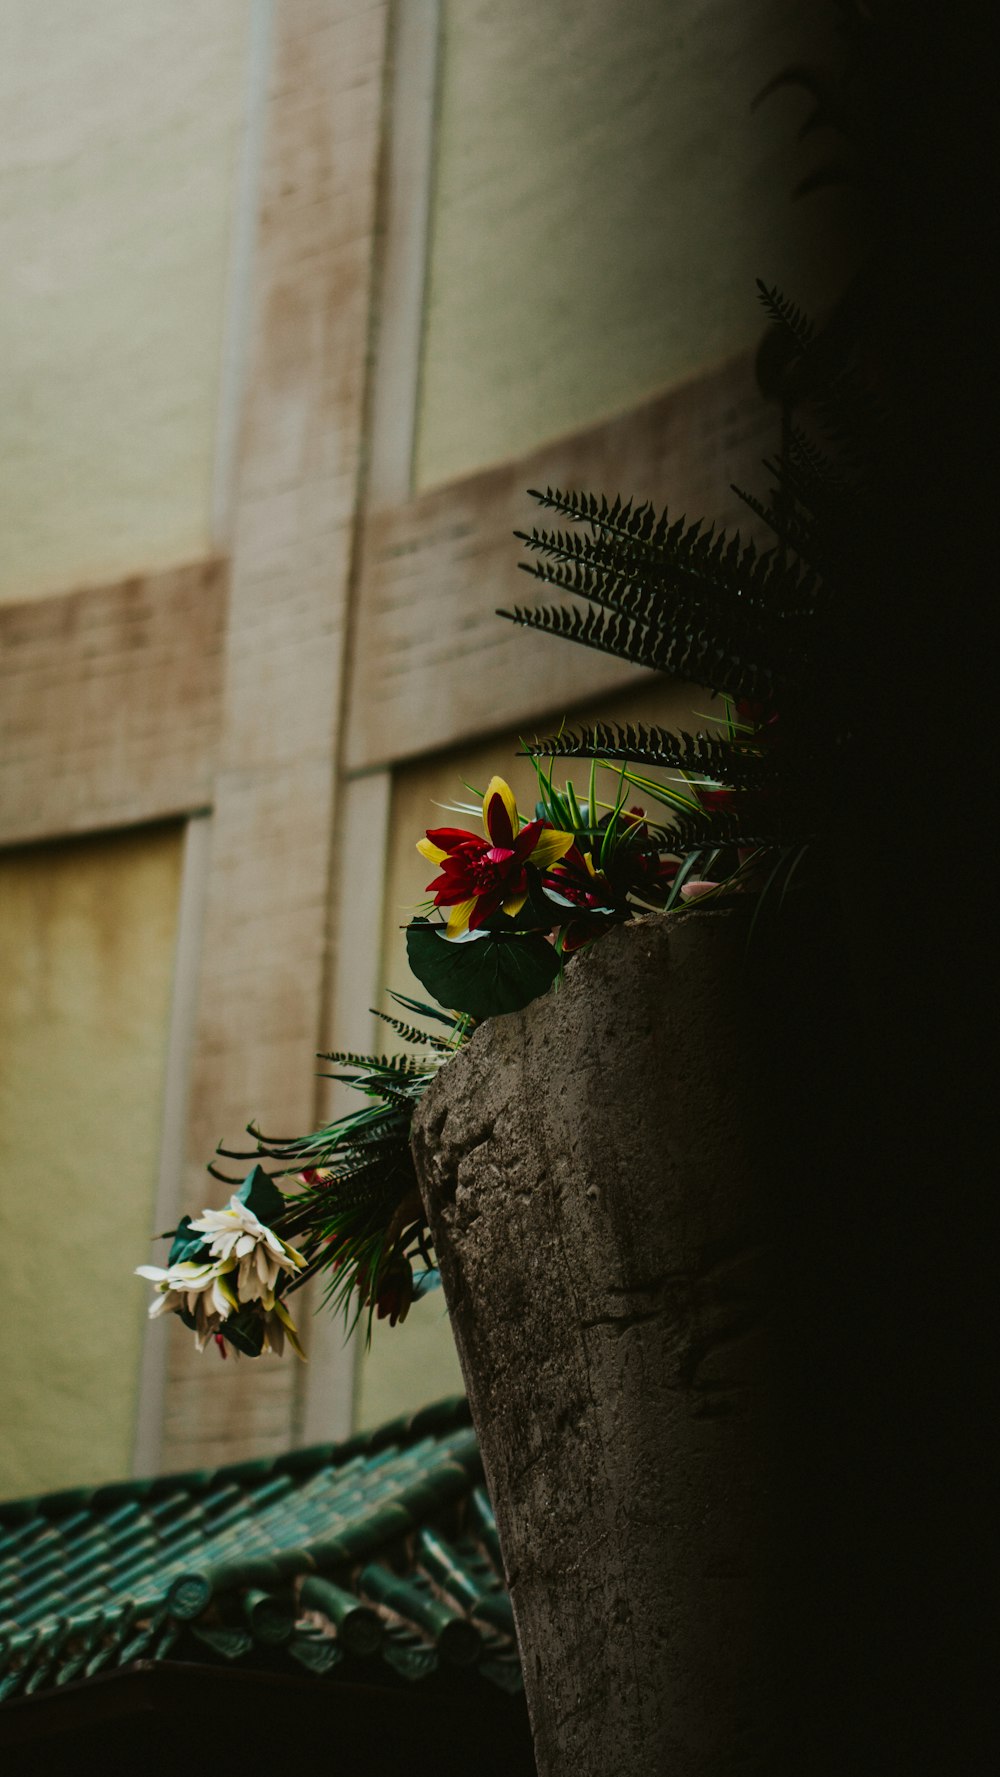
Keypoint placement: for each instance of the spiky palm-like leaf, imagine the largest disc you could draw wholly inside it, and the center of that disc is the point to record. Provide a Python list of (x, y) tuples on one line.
[(412, 1033), (356, 1216), (743, 766), (764, 626), (710, 654), (742, 831), (677, 597), (663, 556), (785, 315), (374, 1066)]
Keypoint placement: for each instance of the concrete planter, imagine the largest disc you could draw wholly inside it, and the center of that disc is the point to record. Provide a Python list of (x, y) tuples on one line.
[(614, 1180)]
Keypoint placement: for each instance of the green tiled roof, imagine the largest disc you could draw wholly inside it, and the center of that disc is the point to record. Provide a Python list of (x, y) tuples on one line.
[(377, 1557)]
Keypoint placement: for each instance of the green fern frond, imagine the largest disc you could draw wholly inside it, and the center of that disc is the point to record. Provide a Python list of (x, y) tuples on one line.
[(396, 1094), (710, 565), (613, 590), (738, 764), (799, 529), (369, 1192), (785, 315), (635, 529), (709, 656), (814, 467), (587, 546), (411, 1033), (664, 544), (390, 1065), (457, 1024), (620, 519), (755, 831)]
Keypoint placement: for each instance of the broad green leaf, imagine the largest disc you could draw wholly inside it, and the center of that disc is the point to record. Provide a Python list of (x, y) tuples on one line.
[(187, 1245), (244, 1330), (485, 976), (261, 1196)]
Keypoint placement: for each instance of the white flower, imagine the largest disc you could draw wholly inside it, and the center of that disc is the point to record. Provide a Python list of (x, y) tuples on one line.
[(243, 1265), (200, 1290), (235, 1235)]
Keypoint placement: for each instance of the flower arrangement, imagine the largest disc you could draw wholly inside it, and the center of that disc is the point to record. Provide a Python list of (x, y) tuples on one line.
[(227, 1272), (742, 803), (524, 898), (342, 1202), (508, 908)]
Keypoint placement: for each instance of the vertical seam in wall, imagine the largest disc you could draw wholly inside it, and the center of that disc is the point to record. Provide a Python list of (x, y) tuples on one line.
[(300, 1405), (406, 180), (239, 276), (428, 221), (152, 1379), (334, 858), (383, 215)]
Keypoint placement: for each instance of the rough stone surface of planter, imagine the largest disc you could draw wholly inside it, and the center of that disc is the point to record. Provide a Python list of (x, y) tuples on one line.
[(610, 1205)]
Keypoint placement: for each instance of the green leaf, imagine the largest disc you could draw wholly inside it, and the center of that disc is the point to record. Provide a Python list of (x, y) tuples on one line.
[(482, 976), (244, 1330), (688, 866), (423, 1010), (539, 913), (187, 1245), (261, 1196)]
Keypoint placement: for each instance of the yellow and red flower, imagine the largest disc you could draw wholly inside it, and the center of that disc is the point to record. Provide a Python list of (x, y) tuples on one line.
[(480, 877)]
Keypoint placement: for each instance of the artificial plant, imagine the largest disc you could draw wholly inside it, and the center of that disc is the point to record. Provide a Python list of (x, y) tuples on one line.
[(341, 1203), (764, 627), (767, 628)]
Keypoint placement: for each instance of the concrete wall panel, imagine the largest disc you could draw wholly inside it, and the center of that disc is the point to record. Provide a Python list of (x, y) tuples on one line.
[(120, 130), (87, 932), (604, 202)]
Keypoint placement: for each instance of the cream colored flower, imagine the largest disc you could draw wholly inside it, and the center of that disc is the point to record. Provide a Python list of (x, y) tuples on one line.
[(202, 1291), (279, 1326), (236, 1235)]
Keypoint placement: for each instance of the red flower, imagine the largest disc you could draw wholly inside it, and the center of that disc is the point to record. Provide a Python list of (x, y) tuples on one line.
[(716, 801), (481, 876), (584, 929), (649, 875), (600, 897), (756, 716), (574, 878), (316, 1175)]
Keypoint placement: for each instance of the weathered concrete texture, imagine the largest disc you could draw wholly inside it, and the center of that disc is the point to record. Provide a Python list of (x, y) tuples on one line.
[(610, 1202)]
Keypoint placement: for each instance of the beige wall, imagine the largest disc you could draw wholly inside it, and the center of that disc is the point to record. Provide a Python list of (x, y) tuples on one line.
[(120, 130), (87, 931), (604, 202), (601, 203), (407, 1367)]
